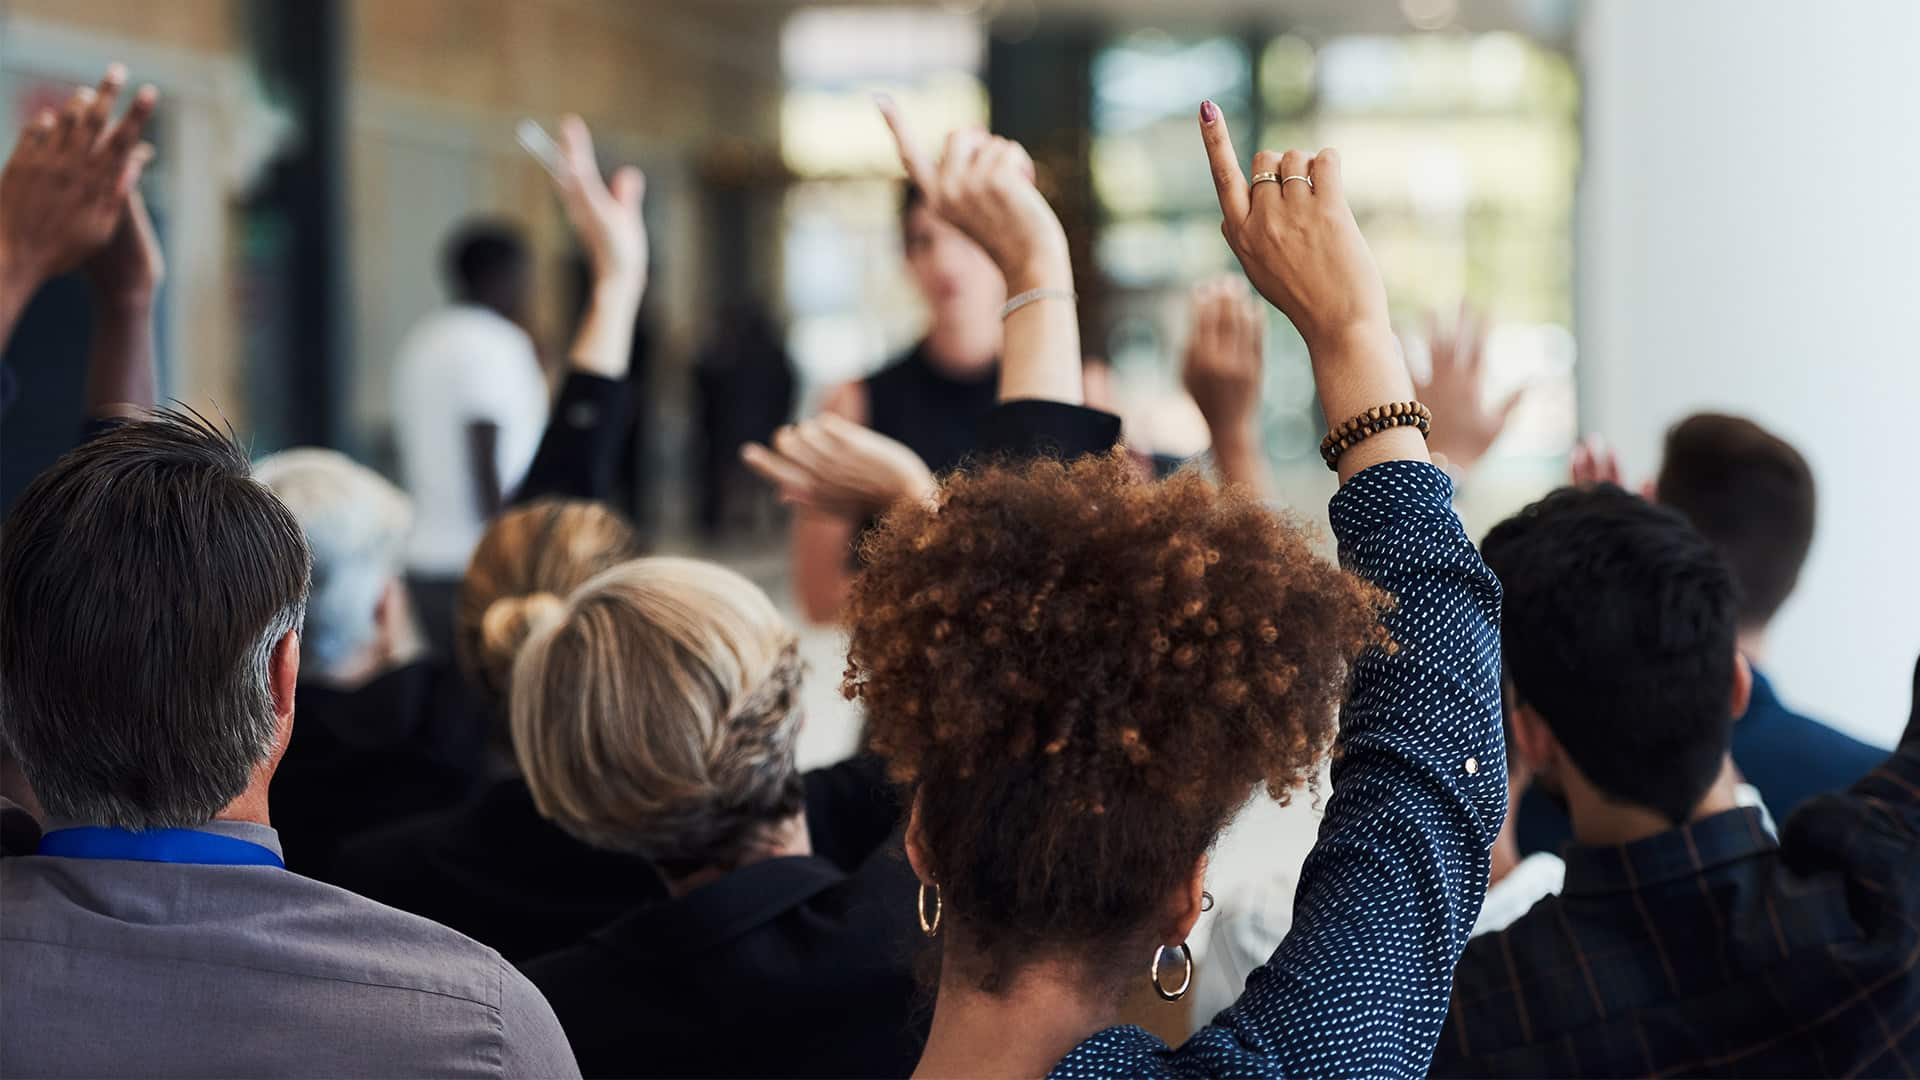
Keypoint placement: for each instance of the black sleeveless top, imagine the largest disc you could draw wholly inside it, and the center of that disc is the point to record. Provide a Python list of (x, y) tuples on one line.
[(936, 415)]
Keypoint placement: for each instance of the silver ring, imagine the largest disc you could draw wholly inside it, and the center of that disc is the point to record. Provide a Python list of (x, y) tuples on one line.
[(1308, 179), (1263, 178)]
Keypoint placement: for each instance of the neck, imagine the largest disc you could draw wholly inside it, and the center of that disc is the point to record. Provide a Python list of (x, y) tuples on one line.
[(964, 347), (1752, 643), (1600, 821), (788, 838), (1023, 1032), (251, 806)]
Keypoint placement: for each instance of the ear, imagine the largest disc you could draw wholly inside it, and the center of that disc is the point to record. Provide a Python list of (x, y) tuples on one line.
[(1187, 905), (284, 674), (1533, 741), (916, 846), (1742, 686)]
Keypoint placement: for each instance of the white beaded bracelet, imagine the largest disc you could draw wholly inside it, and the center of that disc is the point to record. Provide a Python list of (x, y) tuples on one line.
[(1032, 295)]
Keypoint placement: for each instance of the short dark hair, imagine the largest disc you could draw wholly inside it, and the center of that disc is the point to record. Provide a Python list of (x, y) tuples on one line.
[(145, 579), (485, 256), (1618, 627), (1752, 495)]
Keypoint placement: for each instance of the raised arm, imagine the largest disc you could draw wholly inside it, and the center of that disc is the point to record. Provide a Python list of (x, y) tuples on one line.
[(1391, 890), (125, 277), (586, 426), (63, 195), (1224, 361)]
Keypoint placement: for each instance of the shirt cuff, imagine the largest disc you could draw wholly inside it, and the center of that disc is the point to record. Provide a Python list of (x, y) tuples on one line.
[(1031, 428), (1382, 493)]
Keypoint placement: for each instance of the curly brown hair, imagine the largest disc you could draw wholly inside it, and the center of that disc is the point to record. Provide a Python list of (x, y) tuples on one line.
[(1082, 676)]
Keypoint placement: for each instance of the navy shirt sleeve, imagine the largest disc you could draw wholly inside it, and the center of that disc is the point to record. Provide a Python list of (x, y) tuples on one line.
[(1391, 890)]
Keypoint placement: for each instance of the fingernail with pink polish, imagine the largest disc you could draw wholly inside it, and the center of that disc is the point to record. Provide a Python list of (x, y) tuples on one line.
[(1209, 112)]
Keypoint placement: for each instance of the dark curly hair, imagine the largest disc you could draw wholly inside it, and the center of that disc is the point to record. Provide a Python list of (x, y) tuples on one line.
[(1082, 675)]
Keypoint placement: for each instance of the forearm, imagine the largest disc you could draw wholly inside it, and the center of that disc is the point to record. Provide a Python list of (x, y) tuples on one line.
[(121, 380), (603, 344), (1356, 371), (1240, 460), (1040, 359), (585, 432)]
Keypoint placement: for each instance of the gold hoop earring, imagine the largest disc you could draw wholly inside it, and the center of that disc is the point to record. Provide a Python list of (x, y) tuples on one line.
[(1186, 980), (929, 927)]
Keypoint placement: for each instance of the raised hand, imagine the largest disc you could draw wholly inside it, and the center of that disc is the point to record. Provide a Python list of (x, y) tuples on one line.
[(605, 217), (1594, 462), (831, 464), (64, 190), (1225, 354), (1464, 427), (128, 271), (1301, 248), (984, 188)]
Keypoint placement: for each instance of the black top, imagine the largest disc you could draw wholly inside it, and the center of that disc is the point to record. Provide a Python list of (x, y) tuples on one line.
[(495, 870), (936, 415), (795, 966), (403, 744)]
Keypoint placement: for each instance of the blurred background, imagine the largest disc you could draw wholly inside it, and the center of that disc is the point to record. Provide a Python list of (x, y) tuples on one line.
[(1666, 206)]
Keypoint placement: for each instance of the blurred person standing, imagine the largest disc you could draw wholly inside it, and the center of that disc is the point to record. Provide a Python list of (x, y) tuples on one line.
[(470, 403), (931, 400)]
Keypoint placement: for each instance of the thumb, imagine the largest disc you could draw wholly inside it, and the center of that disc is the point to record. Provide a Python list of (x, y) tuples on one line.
[(629, 186)]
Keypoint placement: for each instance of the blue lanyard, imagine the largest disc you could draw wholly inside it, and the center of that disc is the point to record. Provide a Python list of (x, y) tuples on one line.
[(156, 845)]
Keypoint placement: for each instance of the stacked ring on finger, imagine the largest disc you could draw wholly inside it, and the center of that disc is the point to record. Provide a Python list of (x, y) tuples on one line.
[(1263, 178)]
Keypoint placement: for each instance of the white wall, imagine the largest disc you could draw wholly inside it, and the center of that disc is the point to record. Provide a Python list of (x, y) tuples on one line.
[(1750, 242)]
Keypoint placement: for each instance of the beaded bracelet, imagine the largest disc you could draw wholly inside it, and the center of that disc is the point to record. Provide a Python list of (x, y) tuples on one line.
[(1372, 422)]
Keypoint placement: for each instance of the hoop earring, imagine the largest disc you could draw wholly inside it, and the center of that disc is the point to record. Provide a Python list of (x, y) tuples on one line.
[(1186, 980), (1206, 901), (929, 927)]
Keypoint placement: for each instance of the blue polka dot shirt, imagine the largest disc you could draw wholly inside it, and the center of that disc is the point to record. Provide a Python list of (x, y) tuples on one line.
[(1386, 900)]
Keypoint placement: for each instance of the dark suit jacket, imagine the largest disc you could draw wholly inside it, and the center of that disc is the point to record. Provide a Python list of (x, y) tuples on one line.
[(797, 966), (404, 744), (495, 870)]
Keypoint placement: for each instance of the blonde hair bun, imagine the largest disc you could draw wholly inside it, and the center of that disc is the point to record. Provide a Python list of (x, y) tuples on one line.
[(511, 620)]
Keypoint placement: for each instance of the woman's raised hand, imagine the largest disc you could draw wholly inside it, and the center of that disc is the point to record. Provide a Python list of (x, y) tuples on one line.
[(1301, 248), (832, 464), (983, 186)]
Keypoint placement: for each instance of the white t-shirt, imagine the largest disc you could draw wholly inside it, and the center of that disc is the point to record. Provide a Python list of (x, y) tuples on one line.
[(461, 366)]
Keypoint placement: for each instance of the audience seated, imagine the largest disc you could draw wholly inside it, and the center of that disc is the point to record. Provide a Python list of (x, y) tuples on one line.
[(492, 867), (656, 714), (1751, 494), (1686, 939), (155, 930), (386, 730)]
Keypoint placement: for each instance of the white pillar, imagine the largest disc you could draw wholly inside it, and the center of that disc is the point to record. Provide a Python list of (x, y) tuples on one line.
[(1750, 242)]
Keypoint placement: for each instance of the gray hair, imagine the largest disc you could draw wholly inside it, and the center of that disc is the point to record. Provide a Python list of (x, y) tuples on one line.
[(145, 581), (356, 524)]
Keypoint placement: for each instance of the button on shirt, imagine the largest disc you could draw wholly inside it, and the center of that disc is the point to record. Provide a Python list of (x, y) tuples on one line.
[(1389, 894), (117, 967)]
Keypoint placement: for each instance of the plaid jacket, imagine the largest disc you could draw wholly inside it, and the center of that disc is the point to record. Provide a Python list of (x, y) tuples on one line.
[(1712, 951)]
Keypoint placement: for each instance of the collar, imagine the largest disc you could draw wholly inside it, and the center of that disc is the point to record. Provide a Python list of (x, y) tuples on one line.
[(1761, 700), (1678, 853), (246, 831), (721, 910)]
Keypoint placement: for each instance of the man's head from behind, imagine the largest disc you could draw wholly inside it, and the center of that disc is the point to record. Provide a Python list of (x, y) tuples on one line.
[(151, 593), (1618, 629), (488, 264), (1749, 493), (356, 523)]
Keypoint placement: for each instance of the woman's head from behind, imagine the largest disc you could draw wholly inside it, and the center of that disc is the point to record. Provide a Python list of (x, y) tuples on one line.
[(656, 712), (1083, 676), (530, 557)]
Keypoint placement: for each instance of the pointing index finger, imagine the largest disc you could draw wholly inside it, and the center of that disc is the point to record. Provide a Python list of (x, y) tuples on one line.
[(918, 169), (1228, 181)]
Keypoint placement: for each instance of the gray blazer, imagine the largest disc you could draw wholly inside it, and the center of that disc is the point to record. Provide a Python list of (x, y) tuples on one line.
[(114, 968)]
